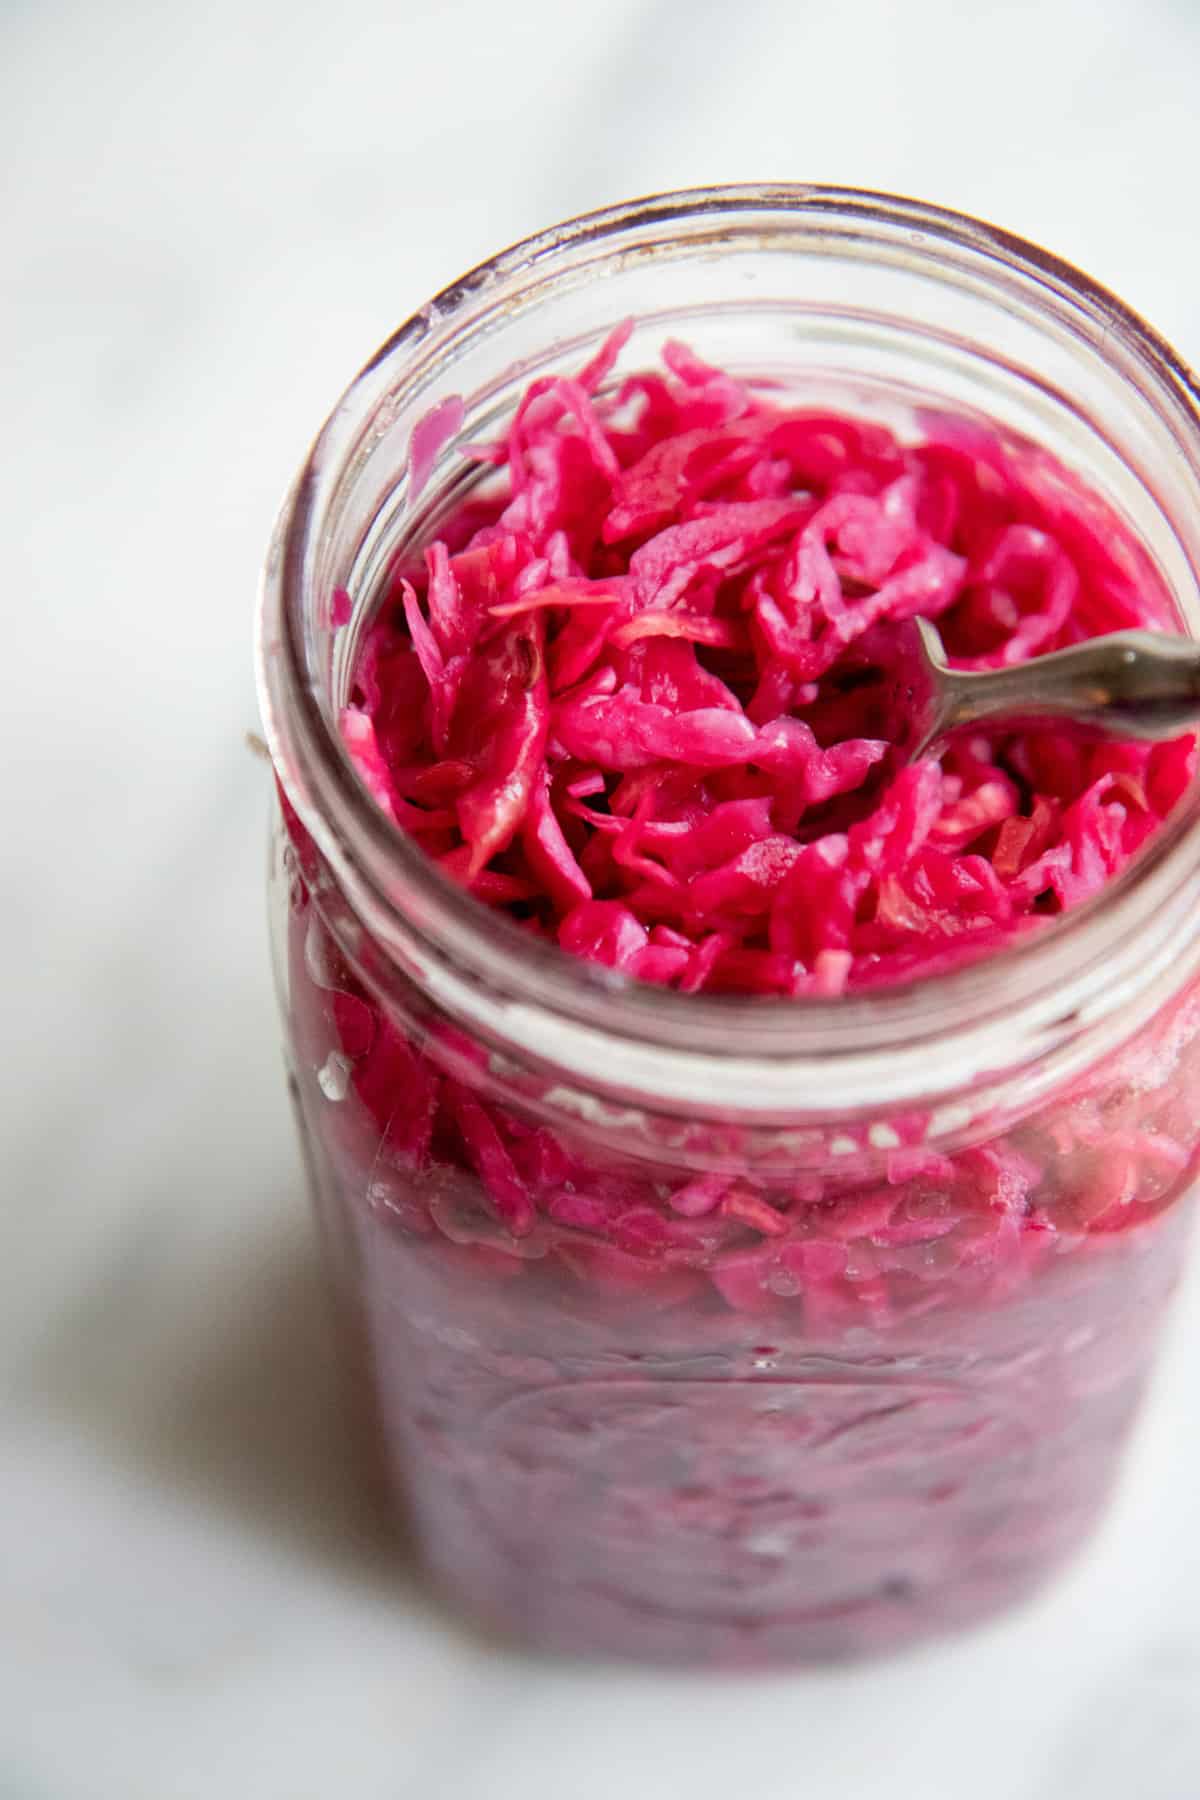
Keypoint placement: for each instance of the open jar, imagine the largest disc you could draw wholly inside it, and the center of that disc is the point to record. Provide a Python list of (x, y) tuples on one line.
[(879, 1386)]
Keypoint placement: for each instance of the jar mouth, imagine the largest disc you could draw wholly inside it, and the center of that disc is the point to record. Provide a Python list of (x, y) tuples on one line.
[(935, 1035)]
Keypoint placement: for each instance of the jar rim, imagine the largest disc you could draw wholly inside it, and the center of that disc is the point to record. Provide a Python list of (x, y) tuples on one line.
[(995, 1012)]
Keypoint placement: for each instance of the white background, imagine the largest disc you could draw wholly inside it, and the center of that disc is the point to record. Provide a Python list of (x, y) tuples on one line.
[(210, 215)]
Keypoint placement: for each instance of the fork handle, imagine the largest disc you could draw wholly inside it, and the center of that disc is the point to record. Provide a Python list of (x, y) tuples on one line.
[(1139, 684)]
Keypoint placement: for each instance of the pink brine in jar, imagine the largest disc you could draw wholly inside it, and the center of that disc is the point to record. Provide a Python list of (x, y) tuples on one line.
[(753, 1172)]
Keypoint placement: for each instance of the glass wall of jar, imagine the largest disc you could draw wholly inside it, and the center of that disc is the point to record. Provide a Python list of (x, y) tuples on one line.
[(715, 1329)]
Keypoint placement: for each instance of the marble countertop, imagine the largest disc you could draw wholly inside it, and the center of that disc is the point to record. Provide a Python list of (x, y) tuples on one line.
[(210, 216)]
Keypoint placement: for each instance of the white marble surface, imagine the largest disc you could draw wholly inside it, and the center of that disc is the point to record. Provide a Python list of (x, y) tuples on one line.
[(210, 214)]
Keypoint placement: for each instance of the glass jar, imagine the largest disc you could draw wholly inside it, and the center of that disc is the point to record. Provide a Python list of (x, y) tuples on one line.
[(642, 1412)]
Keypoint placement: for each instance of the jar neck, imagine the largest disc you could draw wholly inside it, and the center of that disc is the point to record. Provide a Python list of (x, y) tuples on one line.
[(995, 1034)]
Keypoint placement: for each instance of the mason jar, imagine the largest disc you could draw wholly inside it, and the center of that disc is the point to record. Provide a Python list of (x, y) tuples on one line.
[(811, 1326)]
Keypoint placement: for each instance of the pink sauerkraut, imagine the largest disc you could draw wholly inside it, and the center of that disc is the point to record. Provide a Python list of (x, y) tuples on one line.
[(625, 701), (741, 1401)]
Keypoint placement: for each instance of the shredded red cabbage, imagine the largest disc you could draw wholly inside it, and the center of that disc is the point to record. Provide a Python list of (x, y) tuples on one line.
[(620, 705), (678, 1399)]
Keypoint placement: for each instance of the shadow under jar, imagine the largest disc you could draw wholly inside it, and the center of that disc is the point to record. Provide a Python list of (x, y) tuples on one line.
[(900, 1411)]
